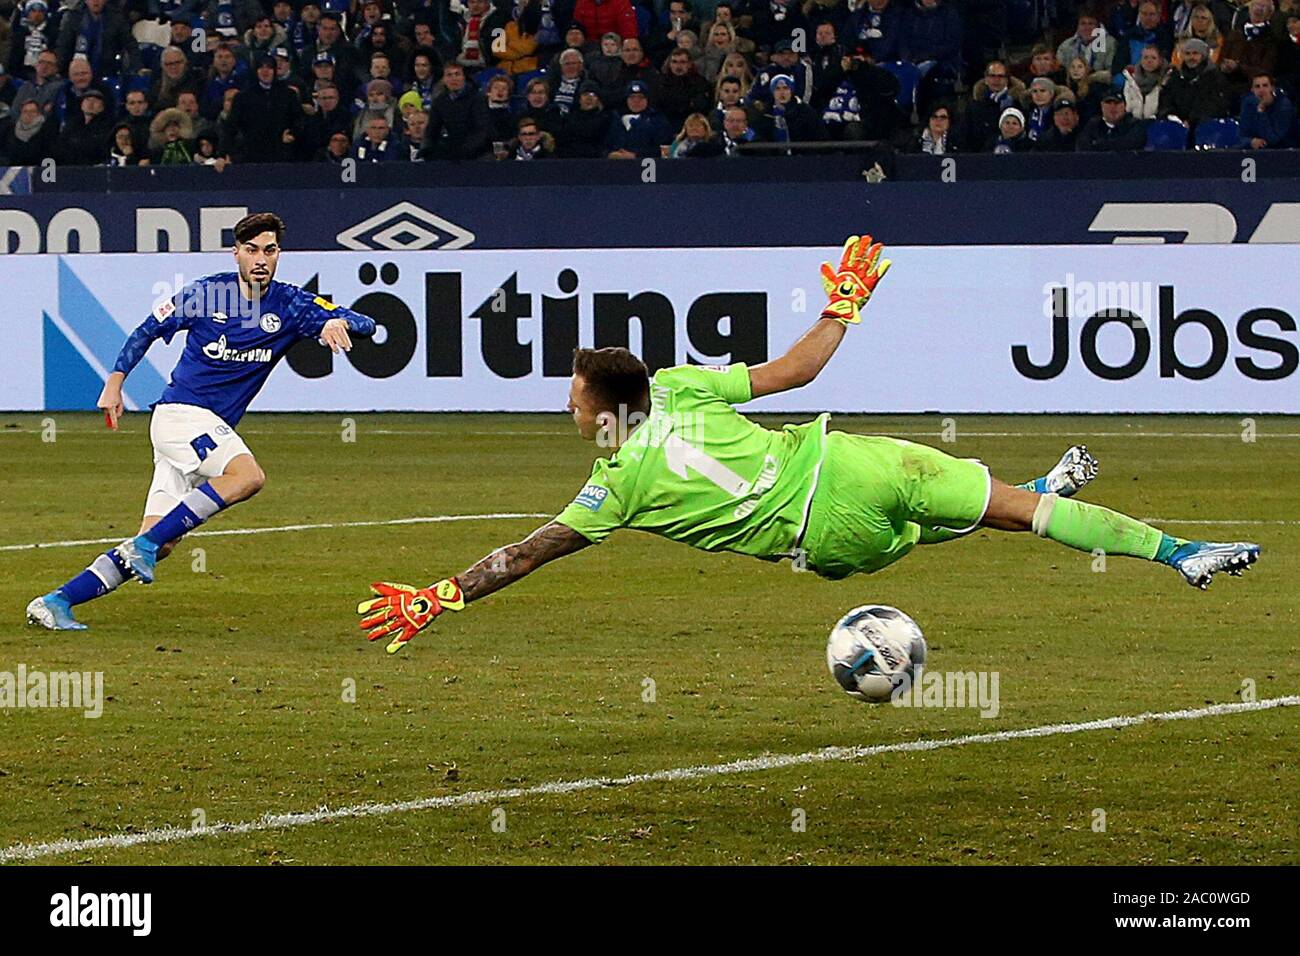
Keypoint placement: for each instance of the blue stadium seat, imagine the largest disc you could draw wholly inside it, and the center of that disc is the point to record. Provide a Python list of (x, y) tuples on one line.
[(909, 77), (1166, 134), (1218, 134)]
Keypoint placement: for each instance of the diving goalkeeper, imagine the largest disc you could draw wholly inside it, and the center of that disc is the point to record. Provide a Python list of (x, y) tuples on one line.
[(697, 471)]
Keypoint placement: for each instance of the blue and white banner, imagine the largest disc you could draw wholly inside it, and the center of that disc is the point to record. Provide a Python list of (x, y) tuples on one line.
[(1140, 328)]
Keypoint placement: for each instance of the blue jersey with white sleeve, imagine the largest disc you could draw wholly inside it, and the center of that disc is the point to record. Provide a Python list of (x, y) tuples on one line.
[(229, 354)]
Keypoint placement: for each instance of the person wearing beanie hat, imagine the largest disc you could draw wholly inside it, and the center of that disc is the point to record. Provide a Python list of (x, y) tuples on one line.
[(641, 130), (32, 35), (1038, 107), (791, 120), (1011, 136), (606, 67), (1197, 90)]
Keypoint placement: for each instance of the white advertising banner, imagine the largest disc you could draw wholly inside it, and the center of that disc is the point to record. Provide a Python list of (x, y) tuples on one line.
[(1106, 328)]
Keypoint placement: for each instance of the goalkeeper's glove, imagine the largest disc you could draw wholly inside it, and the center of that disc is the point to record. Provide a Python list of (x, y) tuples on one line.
[(403, 612), (849, 288)]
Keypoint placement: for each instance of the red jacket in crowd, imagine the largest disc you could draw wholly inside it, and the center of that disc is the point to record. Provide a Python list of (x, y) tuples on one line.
[(599, 17)]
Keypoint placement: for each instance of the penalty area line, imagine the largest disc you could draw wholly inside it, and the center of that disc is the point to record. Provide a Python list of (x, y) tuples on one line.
[(281, 821), (275, 529)]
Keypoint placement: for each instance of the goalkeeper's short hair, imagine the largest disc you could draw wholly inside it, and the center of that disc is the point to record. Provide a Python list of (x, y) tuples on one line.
[(614, 377)]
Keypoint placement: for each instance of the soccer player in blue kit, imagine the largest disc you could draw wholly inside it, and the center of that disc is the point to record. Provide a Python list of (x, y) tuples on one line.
[(201, 465)]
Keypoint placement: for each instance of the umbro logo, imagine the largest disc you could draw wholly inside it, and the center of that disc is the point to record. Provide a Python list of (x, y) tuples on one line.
[(405, 227)]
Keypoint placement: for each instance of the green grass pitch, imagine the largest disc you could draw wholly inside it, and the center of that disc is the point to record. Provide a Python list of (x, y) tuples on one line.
[(226, 681)]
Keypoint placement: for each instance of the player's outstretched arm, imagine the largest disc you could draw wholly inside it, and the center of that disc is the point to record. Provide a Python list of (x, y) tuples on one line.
[(508, 564), (401, 611), (848, 289)]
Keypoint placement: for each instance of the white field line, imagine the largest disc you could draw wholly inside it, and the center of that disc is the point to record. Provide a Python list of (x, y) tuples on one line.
[(489, 430), (280, 821), (504, 515), (215, 532)]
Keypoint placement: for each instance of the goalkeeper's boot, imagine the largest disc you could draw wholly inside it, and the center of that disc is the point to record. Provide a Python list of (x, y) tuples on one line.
[(1198, 561), (1075, 469), (141, 555), (53, 611)]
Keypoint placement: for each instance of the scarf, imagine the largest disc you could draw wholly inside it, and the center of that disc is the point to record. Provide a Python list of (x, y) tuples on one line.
[(34, 44), (471, 50), (88, 40), (781, 129), (566, 93), (548, 32), (1254, 31), (521, 153), (843, 106), (23, 132), (935, 147), (1145, 80)]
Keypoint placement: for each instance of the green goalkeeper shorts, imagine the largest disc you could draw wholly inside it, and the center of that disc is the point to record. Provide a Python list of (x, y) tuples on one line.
[(875, 495)]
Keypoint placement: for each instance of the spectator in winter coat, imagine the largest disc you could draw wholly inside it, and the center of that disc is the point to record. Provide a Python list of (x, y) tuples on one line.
[(30, 139), (1251, 47), (585, 129), (605, 67), (932, 37), (791, 120), (84, 139), (785, 62), (1114, 130), (101, 36), (476, 31), (378, 145), (1201, 26), (1288, 54), (1147, 31), (1091, 43), (775, 21), (264, 120), (1267, 117), (599, 17), (879, 25), (1142, 84), (32, 35), (223, 76), (539, 108), (636, 67), (736, 131), (1195, 91), (936, 137), (1063, 137), (683, 90), (458, 119), (825, 65), (1037, 107), (502, 124), (1011, 136), (640, 131), (696, 140), (564, 84), (45, 88), (989, 97)]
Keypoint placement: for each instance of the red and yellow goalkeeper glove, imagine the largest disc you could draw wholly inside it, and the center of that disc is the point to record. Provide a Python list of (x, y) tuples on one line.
[(861, 268), (403, 612)]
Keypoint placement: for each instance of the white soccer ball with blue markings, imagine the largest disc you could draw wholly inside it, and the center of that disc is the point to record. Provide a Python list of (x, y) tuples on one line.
[(874, 649)]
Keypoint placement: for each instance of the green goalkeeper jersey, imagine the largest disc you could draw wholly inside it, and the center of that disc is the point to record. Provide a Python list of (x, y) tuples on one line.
[(699, 472)]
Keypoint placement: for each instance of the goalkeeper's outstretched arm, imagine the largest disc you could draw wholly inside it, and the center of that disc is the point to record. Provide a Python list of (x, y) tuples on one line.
[(508, 564), (848, 288)]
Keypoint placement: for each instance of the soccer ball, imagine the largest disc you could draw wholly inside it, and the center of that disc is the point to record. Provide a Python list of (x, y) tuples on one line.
[(873, 650)]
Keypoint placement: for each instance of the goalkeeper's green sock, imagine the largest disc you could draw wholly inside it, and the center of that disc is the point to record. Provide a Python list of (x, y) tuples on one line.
[(1089, 527)]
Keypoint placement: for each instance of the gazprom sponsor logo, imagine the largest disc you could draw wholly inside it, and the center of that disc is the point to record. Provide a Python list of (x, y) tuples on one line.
[(219, 351)]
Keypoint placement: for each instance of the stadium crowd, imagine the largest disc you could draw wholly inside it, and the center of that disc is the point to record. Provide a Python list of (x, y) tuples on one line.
[(166, 82)]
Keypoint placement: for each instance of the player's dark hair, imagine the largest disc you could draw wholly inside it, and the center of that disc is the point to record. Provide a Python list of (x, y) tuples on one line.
[(258, 223), (613, 377)]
